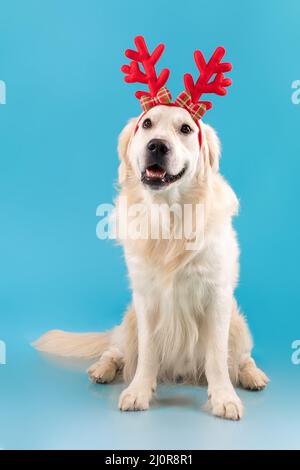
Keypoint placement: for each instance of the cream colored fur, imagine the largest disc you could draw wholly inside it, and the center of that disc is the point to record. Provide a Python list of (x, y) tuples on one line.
[(184, 323)]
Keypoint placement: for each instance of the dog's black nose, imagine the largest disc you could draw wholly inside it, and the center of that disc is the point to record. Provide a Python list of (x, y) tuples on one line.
[(158, 147)]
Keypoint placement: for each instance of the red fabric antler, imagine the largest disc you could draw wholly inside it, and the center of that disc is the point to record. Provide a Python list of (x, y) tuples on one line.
[(148, 61), (207, 70)]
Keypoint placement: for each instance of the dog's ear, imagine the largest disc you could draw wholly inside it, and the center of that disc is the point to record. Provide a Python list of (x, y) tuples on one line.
[(211, 147), (124, 140)]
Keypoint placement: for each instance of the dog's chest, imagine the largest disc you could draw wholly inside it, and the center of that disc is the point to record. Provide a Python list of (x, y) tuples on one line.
[(188, 288), (191, 290)]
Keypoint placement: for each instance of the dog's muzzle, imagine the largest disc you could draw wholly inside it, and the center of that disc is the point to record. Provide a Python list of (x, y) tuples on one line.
[(155, 175)]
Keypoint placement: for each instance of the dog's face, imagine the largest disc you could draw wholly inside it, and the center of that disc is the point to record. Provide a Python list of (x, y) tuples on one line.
[(165, 147), (164, 151)]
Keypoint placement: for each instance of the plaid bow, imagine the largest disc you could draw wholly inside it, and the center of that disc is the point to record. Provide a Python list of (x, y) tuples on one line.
[(163, 97), (196, 110)]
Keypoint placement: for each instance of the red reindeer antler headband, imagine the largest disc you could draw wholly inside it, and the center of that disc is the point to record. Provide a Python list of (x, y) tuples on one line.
[(159, 95)]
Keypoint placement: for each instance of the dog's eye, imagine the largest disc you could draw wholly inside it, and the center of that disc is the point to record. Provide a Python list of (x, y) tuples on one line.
[(185, 129), (147, 124)]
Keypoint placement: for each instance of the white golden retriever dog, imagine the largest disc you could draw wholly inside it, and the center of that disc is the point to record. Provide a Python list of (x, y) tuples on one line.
[(184, 323)]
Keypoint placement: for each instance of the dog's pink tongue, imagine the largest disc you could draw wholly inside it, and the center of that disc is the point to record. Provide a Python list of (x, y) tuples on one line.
[(155, 172)]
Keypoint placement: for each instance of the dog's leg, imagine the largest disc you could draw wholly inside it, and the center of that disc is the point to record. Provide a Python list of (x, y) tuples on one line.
[(242, 368), (138, 394), (105, 369), (223, 399)]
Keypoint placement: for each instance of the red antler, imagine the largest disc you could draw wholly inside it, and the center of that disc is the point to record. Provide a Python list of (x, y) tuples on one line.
[(207, 70), (135, 74)]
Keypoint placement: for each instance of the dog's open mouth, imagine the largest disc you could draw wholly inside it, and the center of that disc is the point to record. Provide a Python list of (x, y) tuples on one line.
[(156, 177)]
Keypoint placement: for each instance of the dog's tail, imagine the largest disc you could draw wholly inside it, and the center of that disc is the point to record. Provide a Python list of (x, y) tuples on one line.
[(62, 343)]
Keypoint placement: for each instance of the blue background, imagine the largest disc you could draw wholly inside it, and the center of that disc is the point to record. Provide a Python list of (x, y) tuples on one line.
[(66, 104)]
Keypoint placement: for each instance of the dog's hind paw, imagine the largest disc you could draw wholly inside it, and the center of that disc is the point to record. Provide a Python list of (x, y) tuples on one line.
[(103, 371), (251, 377)]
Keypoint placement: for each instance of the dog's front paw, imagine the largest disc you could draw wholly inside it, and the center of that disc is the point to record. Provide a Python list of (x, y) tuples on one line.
[(225, 404), (135, 398)]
